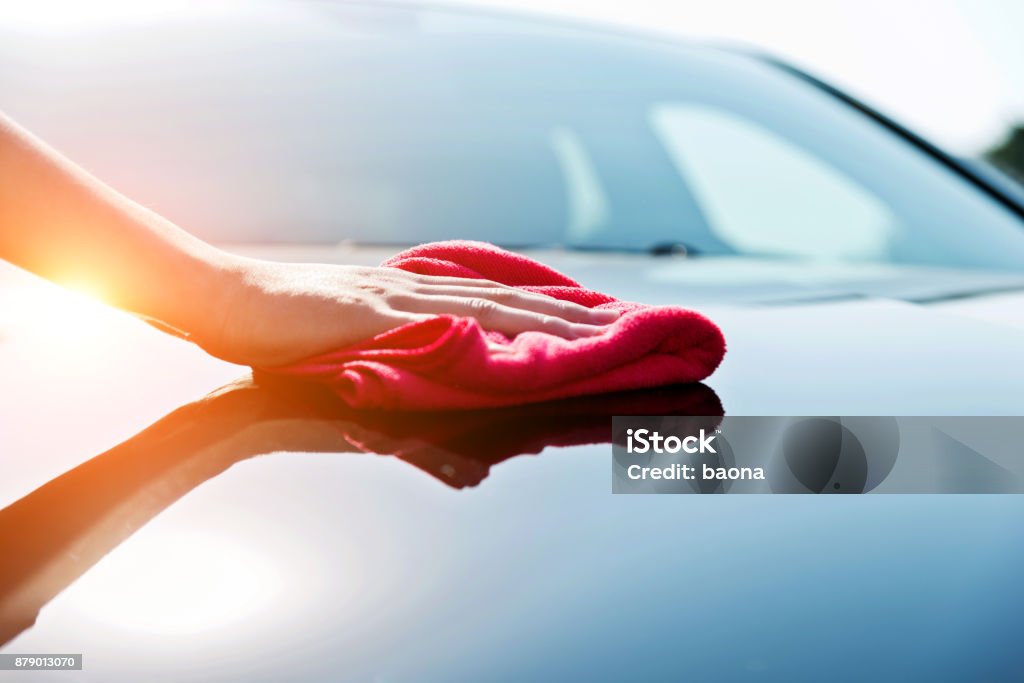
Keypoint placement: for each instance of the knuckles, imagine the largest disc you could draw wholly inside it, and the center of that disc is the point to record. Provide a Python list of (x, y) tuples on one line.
[(482, 309)]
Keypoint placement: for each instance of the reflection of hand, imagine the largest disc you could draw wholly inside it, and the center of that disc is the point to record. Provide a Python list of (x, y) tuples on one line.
[(282, 312), (91, 509)]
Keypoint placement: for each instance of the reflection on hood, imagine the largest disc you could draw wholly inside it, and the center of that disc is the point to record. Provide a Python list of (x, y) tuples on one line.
[(53, 535)]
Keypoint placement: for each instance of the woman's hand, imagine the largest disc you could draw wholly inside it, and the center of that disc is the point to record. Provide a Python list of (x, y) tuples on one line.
[(278, 313)]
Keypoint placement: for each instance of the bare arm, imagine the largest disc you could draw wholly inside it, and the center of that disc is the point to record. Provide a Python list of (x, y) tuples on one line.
[(59, 222)]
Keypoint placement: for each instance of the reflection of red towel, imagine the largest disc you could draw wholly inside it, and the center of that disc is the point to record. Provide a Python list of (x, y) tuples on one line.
[(450, 362), (461, 449)]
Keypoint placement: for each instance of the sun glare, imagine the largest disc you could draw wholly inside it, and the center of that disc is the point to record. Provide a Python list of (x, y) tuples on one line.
[(71, 320), (71, 15), (178, 583), (84, 291)]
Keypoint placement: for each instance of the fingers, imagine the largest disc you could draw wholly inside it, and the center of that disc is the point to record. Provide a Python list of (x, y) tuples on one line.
[(498, 316), (501, 307), (450, 281), (528, 301)]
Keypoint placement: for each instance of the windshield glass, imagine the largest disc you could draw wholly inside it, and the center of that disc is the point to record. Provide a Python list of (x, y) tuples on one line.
[(314, 123)]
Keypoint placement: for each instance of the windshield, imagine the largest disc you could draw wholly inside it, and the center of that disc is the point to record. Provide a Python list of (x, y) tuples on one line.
[(295, 123)]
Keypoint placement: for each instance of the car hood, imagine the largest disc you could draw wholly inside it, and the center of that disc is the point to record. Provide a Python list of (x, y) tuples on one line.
[(106, 375), (844, 338), (862, 339), (715, 280), (324, 547)]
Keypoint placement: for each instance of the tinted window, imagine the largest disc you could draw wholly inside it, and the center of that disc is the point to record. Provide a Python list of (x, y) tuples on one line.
[(313, 123)]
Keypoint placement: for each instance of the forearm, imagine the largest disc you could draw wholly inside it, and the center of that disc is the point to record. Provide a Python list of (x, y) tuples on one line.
[(61, 223), (58, 221)]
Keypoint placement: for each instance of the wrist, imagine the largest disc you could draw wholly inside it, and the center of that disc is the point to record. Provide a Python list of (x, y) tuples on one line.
[(209, 289)]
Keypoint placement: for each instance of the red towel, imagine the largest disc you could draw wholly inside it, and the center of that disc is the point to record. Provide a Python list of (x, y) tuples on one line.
[(450, 362)]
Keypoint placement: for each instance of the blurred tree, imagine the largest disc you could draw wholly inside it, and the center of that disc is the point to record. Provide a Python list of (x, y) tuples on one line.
[(1009, 154)]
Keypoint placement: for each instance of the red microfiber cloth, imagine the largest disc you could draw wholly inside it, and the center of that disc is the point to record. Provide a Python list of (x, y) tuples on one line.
[(450, 362)]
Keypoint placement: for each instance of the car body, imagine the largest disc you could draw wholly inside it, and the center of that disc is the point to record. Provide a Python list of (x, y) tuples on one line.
[(309, 564)]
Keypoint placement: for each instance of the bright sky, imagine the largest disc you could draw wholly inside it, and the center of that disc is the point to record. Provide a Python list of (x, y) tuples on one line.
[(952, 69)]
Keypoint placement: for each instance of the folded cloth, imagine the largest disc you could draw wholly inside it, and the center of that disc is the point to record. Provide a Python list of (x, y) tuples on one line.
[(451, 362)]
